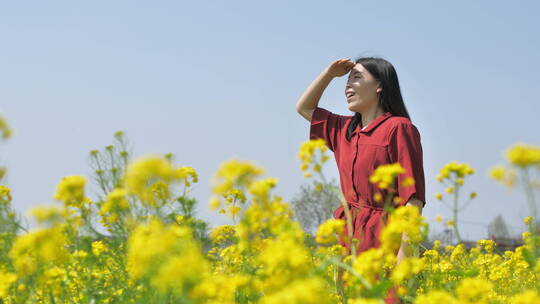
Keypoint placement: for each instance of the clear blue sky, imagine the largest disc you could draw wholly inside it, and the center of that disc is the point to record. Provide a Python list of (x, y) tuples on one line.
[(211, 80)]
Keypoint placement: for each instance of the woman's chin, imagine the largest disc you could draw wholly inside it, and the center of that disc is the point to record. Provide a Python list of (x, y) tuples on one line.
[(351, 107)]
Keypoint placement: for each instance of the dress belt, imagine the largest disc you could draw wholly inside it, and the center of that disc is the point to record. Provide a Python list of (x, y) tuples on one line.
[(361, 203)]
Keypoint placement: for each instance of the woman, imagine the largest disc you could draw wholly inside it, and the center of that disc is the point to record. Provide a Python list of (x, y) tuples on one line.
[(380, 132)]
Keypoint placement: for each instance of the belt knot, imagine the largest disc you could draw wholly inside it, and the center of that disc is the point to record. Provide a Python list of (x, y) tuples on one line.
[(361, 203)]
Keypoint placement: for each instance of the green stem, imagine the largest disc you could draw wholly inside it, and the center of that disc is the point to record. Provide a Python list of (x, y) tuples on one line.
[(455, 213), (532, 209)]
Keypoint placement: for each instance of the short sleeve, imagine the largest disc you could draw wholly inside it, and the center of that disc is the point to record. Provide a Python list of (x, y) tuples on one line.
[(405, 147), (326, 125)]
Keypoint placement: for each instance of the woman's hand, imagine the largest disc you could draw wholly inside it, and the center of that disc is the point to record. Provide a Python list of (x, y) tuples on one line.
[(340, 67)]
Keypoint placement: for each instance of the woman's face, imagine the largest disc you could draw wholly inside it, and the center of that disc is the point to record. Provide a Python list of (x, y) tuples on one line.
[(361, 90)]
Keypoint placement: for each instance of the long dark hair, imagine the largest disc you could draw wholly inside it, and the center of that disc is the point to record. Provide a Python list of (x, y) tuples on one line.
[(390, 96)]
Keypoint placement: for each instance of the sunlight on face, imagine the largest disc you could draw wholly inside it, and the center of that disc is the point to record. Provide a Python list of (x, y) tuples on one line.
[(361, 89)]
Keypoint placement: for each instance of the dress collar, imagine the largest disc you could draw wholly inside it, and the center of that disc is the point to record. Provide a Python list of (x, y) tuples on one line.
[(374, 123)]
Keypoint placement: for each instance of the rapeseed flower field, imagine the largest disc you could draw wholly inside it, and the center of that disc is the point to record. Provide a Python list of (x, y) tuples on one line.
[(138, 241)]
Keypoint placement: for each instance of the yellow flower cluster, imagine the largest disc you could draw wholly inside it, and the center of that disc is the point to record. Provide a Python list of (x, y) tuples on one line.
[(370, 265), (487, 245), (98, 247), (385, 175), (6, 279), (222, 234), (310, 158), (363, 301), (305, 291), (70, 191), (474, 290), (145, 176), (261, 189), (166, 255), (460, 170), (38, 248), (234, 174), (406, 269), (50, 214), (435, 296), (188, 175), (527, 297), (523, 155), (114, 205), (5, 195), (406, 220), (150, 179), (230, 179), (220, 288), (5, 130), (503, 175), (328, 231), (267, 257)]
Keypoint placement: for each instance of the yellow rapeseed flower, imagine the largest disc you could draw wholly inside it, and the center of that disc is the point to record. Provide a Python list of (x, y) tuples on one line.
[(408, 181), (308, 155), (147, 176), (406, 268), (526, 297), (384, 175), (488, 245), (474, 290), (406, 219), (328, 231), (38, 247), (436, 296), (187, 174), (523, 155), (5, 130), (166, 255), (51, 214), (5, 194), (215, 203), (70, 191), (234, 174), (261, 189), (459, 170), (363, 301), (372, 262), (98, 247), (6, 280), (220, 234), (527, 220), (503, 175)]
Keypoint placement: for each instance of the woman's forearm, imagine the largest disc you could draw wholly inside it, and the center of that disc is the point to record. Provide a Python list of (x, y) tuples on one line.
[(311, 96)]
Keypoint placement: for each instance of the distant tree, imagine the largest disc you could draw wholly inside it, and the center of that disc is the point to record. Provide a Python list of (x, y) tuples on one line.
[(312, 207), (498, 228)]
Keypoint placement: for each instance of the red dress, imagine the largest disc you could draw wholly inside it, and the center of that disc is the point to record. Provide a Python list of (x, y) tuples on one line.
[(387, 139)]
